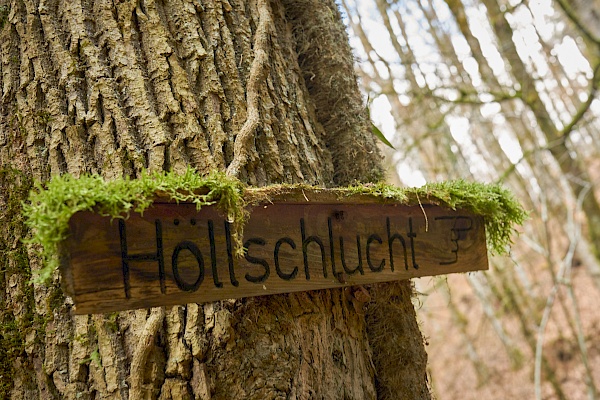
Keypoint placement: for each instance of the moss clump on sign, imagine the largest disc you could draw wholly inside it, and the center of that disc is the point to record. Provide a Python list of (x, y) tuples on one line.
[(495, 203), (51, 206)]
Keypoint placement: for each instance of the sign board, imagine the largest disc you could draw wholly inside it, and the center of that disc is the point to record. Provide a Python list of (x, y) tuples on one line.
[(175, 254)]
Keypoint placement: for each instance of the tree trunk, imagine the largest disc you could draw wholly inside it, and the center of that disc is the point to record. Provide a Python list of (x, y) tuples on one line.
[(264, 90)]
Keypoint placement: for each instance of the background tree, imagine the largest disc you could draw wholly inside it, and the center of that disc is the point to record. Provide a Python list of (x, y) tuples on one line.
[(502, 91), (264, 90)]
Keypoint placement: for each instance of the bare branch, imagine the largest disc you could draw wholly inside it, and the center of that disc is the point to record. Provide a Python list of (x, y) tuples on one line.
[(564, 5), (582, 110)]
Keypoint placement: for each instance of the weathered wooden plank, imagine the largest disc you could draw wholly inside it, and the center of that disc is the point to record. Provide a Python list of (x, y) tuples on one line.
[(175, 254)]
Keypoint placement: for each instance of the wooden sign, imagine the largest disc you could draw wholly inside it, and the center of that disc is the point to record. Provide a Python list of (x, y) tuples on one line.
[(176, 254)]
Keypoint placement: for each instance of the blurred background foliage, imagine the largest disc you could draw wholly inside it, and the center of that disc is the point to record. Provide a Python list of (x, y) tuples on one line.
[(499, 91)]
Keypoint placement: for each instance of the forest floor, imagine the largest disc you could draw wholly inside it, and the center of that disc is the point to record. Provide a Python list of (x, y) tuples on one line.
[(482, 369)]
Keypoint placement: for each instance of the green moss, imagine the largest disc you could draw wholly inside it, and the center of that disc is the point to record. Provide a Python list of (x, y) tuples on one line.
[(111, 322), (52, 206), (4, 11), (55, 299), (14, 188), (95, 357)]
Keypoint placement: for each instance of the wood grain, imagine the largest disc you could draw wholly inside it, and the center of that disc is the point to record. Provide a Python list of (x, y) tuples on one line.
[(174, 254)]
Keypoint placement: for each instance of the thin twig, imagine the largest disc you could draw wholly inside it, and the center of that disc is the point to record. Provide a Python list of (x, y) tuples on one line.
[(424, 213), (563, 278), (583, 109), (481, 291), (575, 235), (564, 5), (304, 194)]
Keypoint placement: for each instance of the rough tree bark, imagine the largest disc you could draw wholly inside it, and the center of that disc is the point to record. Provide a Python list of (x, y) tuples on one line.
[(262, 89)]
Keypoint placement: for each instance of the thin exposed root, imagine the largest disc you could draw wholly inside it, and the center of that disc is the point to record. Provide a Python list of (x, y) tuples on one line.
[(258, 73)]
